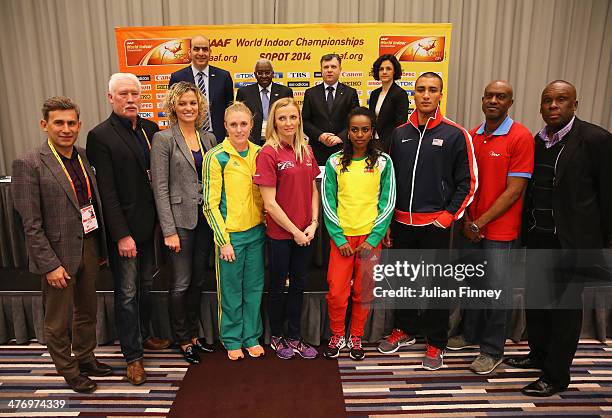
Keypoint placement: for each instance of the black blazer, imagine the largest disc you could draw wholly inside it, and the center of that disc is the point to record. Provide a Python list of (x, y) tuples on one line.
[(317, 119), (251, 97), (582, 189), (220, 94), (393, 112), (125, 191)]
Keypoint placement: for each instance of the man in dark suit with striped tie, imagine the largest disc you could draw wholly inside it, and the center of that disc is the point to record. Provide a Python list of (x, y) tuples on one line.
[(260, 97), (326, 108), (214, 83)]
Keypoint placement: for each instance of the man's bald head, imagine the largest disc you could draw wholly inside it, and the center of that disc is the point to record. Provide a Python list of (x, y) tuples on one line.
[(497, 100), (558, 104)]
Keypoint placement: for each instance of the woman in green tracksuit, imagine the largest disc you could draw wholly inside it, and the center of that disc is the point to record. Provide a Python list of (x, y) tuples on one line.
[(234, 209)]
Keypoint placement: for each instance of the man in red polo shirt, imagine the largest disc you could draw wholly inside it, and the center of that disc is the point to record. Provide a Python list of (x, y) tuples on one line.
[(504, 153)]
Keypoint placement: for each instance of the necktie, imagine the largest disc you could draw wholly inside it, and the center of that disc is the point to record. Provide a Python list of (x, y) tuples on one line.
[(202, 88), (265, 103), (330, 98)]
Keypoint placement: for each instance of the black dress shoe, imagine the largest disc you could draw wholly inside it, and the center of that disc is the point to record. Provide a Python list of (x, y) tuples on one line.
[(191, 355), (523, 362), (95, 368), (81, 384), (203, 347), (541, 389)]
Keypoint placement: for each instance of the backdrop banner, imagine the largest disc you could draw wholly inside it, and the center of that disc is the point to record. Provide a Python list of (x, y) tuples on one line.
[(154, 52)]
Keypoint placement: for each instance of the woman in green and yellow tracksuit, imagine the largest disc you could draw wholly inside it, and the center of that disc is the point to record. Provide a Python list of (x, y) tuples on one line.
[(234, 210)]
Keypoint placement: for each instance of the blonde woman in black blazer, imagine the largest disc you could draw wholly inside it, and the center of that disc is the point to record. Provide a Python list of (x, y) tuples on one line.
[(176, 171), (393, 110)]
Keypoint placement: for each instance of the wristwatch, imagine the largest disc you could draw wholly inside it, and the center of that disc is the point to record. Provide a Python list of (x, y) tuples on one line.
[(474, 228)]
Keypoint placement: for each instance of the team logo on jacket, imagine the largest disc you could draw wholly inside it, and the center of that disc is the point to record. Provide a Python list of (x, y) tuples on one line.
[(494, 154), (284, 165), (438, 142)]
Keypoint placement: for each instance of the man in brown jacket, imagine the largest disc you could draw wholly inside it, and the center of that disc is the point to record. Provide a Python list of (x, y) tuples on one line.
[(55, 192)]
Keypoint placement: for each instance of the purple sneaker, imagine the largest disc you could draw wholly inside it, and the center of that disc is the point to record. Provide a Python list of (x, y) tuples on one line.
[(303, 349), (282, 349)]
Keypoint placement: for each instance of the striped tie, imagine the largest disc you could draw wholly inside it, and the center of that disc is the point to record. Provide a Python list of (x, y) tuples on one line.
[(202, 88)]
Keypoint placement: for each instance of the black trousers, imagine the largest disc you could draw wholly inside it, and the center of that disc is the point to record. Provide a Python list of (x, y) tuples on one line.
[(431, 323), (553, 333)]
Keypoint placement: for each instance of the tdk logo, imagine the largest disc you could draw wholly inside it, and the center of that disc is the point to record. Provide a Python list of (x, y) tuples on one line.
[(243, 84), (144, 77), (298, 75), (146, 115), (405, 83), (161, 114), (242, 76)]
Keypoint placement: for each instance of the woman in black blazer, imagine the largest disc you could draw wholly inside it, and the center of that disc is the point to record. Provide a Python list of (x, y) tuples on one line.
[(389, 102)]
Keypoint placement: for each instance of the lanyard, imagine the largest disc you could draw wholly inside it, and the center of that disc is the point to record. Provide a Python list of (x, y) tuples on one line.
[(199, 143), (59, 160), (146, 137)]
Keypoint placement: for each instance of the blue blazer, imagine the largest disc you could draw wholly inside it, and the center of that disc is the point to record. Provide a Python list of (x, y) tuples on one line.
[(220, 94)]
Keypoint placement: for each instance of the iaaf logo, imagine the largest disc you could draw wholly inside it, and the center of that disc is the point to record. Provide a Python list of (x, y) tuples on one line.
[(408, 74), (298, 75), (160, 96), (351, 73), (285, 164), (242, 76), (145, 115), (162, 77), (146, 105), (145, 87)]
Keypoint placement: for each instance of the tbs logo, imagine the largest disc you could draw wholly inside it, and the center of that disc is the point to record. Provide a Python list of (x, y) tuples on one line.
[(298, 75)]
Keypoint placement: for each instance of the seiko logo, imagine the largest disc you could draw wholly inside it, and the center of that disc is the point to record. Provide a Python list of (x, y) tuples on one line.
[(285, 164), (298, 75), (162, 77), (242, 76), (161, 87), (144, 77), (298, 83)]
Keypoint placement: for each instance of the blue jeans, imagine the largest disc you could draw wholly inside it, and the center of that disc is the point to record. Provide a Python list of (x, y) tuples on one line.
[(287, 258), (487, 327), (189, 269), (133, 279)]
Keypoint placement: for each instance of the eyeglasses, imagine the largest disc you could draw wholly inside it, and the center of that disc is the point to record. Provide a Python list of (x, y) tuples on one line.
[(263, 73)]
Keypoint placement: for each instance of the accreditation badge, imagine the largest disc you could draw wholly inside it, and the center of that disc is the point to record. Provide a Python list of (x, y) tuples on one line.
[(264, 124), (88, 217)]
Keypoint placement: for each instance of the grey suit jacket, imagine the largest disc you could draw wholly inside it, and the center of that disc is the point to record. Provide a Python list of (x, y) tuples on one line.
[(50, 211), (174, 178)]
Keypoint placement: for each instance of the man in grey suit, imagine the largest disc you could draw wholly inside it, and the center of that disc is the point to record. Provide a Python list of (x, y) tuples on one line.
[(260, 96), (55, 192)]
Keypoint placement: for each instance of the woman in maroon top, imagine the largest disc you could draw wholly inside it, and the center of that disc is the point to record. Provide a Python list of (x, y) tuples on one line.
[(286, 172)]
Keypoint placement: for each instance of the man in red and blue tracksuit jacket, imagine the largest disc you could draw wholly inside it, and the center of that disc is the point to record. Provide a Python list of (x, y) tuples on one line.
[(436, 177)]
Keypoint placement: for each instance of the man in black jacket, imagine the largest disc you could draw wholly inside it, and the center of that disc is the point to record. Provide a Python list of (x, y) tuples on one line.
[(567, 212), (119, 150), (260, 97), (326, 108)]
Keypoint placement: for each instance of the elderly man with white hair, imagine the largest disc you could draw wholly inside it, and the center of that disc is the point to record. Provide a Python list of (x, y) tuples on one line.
[(119, 150)]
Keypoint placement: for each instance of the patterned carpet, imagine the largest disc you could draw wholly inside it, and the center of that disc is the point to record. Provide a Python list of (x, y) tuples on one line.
[(380, 385), (396, 384), (29, 380)]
